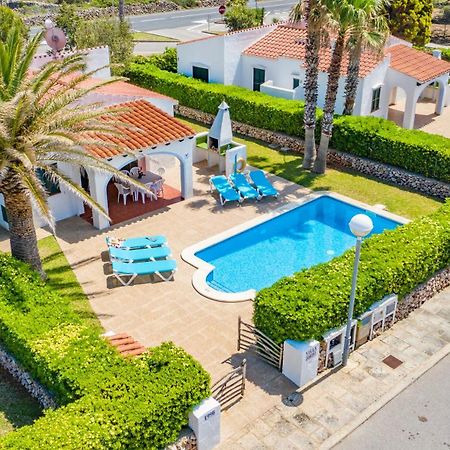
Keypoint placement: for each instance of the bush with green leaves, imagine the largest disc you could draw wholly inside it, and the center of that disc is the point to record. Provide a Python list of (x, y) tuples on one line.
[(374, 138), (108, 401), (111, 32), (307, 304), (68, 20), (164, 61), (411, 20), (239, 16)]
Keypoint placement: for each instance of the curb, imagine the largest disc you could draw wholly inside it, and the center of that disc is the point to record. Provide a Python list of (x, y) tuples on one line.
[(385, 399)]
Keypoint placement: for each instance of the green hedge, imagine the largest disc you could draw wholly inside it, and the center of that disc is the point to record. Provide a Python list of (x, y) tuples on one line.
[(257, 109), (315, 300), (110, 402), (375, 138)]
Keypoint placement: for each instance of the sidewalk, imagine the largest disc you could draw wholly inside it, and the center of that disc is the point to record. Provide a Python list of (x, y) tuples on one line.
[(340, 401)]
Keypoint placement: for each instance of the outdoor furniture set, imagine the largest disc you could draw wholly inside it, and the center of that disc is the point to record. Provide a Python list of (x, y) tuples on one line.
[(148, 255), (239, 186)]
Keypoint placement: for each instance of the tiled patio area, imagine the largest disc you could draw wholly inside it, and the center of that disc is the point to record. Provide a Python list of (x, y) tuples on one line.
[(426, 119), (153, 312), (118, 212)]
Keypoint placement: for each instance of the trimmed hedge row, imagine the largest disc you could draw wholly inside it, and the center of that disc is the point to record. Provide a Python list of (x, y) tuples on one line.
[(307, 304), (375, 138), (110, 402), (255, 108)]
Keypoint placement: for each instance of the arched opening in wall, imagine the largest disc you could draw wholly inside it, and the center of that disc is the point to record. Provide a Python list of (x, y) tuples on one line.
[(160, 173), (428, 105), (397, 103)]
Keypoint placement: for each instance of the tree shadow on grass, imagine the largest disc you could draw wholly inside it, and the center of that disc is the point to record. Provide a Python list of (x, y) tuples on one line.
[(18, 407)]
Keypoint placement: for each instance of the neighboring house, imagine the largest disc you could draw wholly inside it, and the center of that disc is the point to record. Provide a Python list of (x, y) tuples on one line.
[(151, 130), (271, 59)]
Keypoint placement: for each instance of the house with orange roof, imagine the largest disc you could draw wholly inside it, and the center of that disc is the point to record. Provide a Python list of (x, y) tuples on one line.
[(271, 59), (149, 132)]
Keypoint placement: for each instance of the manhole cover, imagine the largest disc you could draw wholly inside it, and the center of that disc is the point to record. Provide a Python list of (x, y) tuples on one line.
[(294, 399), (392, 361)]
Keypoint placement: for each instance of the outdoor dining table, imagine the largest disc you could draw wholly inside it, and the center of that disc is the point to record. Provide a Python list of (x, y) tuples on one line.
[(148, 179)]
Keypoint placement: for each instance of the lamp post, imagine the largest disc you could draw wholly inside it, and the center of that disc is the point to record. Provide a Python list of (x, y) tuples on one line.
[(360, 225)]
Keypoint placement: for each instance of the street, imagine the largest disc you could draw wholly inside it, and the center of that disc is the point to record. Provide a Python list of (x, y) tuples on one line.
[(418, 418)]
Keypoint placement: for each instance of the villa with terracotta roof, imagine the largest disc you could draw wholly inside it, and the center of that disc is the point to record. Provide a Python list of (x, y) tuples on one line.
[(271, 59), (149, 130)]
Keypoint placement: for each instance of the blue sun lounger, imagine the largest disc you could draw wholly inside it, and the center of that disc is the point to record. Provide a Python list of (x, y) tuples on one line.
[(246, 190), (263, 185), (121, 269), (135, 243), (141, 254), (225, 190)]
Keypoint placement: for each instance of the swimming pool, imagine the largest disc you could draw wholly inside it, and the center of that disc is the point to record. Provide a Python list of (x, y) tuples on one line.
[(297, 238)]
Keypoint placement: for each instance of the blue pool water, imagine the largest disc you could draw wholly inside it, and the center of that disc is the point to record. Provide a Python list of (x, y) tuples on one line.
[(310, 234)]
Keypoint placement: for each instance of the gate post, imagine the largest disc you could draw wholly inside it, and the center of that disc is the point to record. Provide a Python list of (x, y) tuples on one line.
[(300, 360), (205, 422)]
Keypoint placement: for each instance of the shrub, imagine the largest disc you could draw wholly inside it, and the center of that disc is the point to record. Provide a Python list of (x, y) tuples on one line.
[(68, 20), (250, 107), (239, 16), (374, 138), (110, 402), (310, 302), (111, 32), (164, 61)]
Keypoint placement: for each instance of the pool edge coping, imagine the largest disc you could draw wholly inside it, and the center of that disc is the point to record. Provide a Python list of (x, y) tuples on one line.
[(203, 268)]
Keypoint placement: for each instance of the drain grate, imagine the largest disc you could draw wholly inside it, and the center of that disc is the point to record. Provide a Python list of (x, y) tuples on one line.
[(392, 361)]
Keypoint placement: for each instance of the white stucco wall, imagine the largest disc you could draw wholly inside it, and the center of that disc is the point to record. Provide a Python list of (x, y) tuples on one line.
[(221, 55), (376, 78)]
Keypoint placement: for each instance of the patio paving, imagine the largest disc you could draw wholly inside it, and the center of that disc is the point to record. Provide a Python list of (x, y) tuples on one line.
[(153, 312), (426, 119)]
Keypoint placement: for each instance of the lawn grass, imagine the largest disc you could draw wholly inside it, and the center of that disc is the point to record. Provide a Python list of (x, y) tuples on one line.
[(142, 36), (17, 407), (61, 278), (352, 184)]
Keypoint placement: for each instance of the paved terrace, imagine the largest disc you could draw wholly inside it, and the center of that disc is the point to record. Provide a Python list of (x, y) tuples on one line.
[(153, 312)]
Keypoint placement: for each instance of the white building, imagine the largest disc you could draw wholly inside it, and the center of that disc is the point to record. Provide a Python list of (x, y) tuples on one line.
[(271, 59), (152, 131)]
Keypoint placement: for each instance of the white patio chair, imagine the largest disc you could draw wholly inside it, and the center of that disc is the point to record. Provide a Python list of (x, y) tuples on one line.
[(136, 191), (134, 172), (161, 171), (126, 172), (122, 191), (158, 187)]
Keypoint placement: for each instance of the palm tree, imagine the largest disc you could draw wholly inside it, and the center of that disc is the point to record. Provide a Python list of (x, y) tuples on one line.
[(41, 123), (316, 17), (370, 34), (121, 10), (344, 14)]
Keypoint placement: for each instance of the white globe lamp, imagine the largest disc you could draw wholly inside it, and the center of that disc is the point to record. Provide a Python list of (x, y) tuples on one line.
[(361, 225), (48, 24)]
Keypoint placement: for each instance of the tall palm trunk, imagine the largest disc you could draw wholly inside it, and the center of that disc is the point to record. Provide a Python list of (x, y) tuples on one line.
[(334, 72), (23, 239), (311, 92), (121, 10), (351, 82)]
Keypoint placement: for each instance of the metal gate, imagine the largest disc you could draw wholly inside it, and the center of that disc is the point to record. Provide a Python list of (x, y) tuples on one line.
[(230, 389), (255, 341)]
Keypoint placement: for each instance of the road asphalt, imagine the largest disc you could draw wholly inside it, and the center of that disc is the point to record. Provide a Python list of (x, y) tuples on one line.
[(418, 418)]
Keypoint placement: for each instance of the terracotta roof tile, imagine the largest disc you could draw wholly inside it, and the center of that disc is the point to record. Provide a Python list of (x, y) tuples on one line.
[(149, 126), (416, 64), (126, 345), (289, 41)]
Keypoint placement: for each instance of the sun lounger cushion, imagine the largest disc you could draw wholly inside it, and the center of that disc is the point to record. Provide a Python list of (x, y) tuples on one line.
[(243, 186), (142, 254), (263, 185), (134, 243)]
